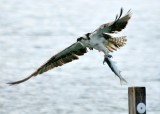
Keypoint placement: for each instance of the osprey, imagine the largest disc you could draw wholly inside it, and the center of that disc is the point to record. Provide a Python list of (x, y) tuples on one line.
[(101, 39)]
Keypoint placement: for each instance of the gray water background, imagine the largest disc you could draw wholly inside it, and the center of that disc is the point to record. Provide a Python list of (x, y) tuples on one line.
[(31, 31)]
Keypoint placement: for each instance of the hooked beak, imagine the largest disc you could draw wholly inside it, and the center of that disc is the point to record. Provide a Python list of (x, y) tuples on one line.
[(80, 39)]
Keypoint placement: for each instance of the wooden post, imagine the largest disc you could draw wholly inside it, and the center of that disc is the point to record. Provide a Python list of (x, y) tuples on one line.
[(137, 100)]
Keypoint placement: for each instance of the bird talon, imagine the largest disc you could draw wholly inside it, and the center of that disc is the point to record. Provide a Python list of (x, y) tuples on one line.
[(110, 56), (106, 57), (104, 61)]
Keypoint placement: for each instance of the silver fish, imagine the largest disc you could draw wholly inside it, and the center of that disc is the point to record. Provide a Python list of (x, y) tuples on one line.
[(114, 68)]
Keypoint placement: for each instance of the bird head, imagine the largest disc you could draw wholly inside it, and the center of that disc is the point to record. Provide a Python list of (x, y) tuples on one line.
[(80, 39), (84, 38)]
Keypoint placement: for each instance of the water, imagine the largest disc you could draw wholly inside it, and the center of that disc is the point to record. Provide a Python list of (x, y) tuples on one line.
[(32, 31)]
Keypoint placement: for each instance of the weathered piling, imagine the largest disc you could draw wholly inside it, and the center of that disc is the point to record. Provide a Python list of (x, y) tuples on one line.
[(137, 100)]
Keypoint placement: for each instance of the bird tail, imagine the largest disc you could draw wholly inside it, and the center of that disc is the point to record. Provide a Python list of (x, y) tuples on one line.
[(115, 43), (118, 41)]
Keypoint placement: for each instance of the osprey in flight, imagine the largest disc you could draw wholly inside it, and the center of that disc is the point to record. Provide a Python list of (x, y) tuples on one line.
[(101, 39)]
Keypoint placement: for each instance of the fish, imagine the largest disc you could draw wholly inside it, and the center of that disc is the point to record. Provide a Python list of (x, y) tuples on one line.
[(115, 69)]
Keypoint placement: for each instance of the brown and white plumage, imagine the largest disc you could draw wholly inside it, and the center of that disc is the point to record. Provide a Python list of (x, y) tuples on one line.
[(99, 40), (67, 55), (114, 43), (115, 26)]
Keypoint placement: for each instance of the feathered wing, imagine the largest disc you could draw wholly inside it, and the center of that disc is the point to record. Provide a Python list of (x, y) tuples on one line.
[(67, 55), (115, 26)]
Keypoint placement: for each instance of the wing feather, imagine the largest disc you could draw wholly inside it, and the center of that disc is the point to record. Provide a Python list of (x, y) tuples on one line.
[(115, 26), (67, 55)]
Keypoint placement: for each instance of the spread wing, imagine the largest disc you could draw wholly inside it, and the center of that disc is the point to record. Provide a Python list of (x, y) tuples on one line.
[(67, 55), (115, 26)]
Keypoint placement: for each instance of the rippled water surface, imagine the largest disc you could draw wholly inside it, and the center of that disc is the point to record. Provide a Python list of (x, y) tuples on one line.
[(32, 31)]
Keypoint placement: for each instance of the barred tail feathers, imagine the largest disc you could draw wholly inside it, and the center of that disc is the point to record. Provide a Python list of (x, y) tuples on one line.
[(118, 41), (115, 42)]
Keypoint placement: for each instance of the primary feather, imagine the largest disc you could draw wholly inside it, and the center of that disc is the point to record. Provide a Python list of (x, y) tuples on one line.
[(67, 55), (115, 26)]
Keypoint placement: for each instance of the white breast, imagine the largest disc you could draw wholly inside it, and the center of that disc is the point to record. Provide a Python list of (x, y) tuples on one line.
[(97, 43)]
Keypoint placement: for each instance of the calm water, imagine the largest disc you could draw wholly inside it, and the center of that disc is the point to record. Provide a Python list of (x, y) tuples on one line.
[(32, 31)]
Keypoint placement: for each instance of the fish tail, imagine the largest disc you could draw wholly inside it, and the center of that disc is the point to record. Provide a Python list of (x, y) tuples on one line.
[(122, 81)]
